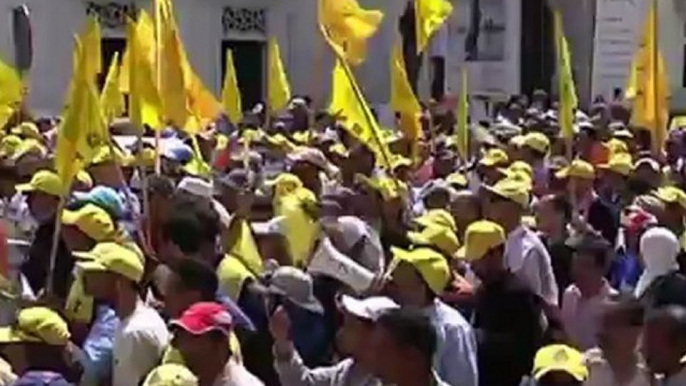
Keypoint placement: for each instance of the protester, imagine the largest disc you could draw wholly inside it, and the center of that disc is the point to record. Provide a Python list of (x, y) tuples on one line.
[(660, 283), (558, 365), (664, 343)]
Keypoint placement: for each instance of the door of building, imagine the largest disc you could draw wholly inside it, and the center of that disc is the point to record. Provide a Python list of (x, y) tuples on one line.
[(249, 58)]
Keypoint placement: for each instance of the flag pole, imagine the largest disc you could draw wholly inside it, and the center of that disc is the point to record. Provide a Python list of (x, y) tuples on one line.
[(52, 262), (658, 134)]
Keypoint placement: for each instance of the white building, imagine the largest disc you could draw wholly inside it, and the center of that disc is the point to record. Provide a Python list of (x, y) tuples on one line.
[(514, 45)]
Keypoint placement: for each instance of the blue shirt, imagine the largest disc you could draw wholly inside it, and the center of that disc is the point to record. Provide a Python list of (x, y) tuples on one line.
[(455, 360), (309, 334), (97, 348), (625, 270)]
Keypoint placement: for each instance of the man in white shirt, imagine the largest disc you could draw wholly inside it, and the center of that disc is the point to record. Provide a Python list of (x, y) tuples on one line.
[(525, 254), (111, 275)]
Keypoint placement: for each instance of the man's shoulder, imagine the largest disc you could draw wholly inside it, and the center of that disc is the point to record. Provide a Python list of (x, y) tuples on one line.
[(449, 318), (144, 322)]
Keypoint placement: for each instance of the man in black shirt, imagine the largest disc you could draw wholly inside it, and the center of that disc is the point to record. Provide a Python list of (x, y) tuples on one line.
[(507, 313)]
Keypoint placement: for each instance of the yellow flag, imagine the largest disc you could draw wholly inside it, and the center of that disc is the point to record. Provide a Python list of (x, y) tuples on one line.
[(279, 89), (429, 16), (462, 115), (83, 129), (10, 86), (349, 26), (567, 90), (144, 102), (404, 101), (112, 99), (348, 102), (242, 245), (91, 41), (203, 104), (632, 83), (651, 101), (301, 230), (231, 94)]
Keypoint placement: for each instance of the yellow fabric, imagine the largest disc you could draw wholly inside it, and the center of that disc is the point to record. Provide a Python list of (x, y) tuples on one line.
[(431, 265), (558, 357), (232, 274), (537, 141), (511, 189), (172, 355), (241, 244), (43, 181), (404, 100), (91, 41), (348, 102), (437, 217), (279, 88), (494, 157), (231, 94), (110, 153), (649, 84), (112, 100), (579, 169), (399, 161), (284, 184), (29, 146), (9, 145), (11, 86), (617, 146), (112, 257), (79, 306), (171, 375), (522, 167), (481, 237), (462, 135), (197, 165), (92, 220), (620, 164), (37, 324), (350, 26), (27, 130), (671, 195), (387, 187), (458, 179), (517, 141), (429, 16), (301, 229), (439, 237), (568, 98), (83, 177), (339, 149)]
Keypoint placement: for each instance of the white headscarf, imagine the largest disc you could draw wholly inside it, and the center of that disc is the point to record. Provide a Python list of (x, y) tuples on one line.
[(659, 248)]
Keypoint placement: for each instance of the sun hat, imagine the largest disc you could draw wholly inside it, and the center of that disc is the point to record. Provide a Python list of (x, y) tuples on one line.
[(104, 197), (537, 141), (296, 285), (620, 163), (204, 317), (92, 220), (494, 157), (442, 238), (560, 358), (512, 190), (579, 169), (171, 374)]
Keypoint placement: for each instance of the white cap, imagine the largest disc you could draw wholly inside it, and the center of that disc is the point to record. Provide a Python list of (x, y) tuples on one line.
[(370, 308), (196, 186)]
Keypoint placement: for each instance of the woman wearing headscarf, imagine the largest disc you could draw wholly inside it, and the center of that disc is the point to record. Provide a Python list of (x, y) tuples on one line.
[(661, 283)]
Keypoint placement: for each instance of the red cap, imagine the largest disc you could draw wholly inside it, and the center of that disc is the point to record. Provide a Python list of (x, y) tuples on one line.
[(203, 317)]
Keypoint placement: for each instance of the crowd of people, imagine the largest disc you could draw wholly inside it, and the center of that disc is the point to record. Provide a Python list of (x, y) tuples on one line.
[(282, 251)]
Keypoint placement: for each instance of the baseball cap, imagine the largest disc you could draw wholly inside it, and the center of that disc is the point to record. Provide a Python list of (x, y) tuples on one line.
[(104, 197), (39, 325), (171, 374), (431, 265), (27, 130), (481, 237), (108, 153), (204, 317), (92, 220), (83, 177), (442, 238), (369, 308), (437, 218), (457, 179), (579, 169), (309, 155), (196, 186), (176, 150), (112, 257), (619, 163), (517, 141), (537, 141), (399, 161), (238, 179), (29, 146), (494, 157), (671, 195), (511, 189), (522, 167), (649, 162), (9, 145), (387, 187), (44, 181), (560, 358)]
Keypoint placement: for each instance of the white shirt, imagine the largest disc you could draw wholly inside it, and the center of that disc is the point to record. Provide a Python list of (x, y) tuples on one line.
[(139, 343), (582, 316), (236, 375), (600, 373), (527, 257)]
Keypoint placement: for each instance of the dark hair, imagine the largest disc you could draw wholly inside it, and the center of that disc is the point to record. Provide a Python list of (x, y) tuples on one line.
[(411, 328), (561, 204), (160, 185), (674, 316), (628, 308), (192, 221), (196, 275)]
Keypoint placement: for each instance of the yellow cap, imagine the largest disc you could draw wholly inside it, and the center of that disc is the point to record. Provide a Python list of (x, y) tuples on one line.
[(617, 146), (517, 141), (232, 273), (104, 154), (222, 142), (29, 146), (83, 177), (511, 189), (439, 237), (145, 158), (387, 187), (251, 135), (44, 181), (579, 169), (38, 325), (339, 149), (431, 265), (302, 137), (437, 218), (619, 163), (92, 220), (671, 195), (285, 183), (399, 161), (27, 130), (112, 257), (280, 141), (458, 179), (560, 358), (481, 237), (9, 145), (523, 167), (537, 141), (171, 375), (494, 157)]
